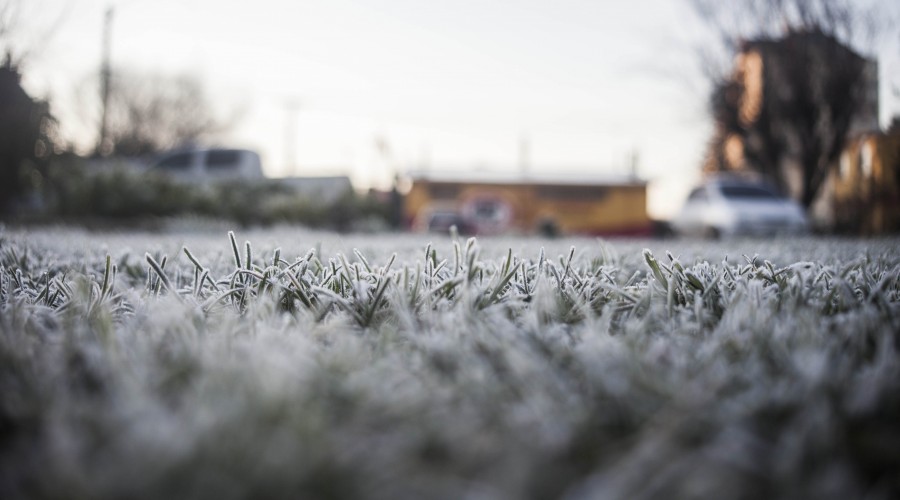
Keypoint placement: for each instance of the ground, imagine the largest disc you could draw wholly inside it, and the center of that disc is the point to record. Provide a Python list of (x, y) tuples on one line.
[(197, 363)]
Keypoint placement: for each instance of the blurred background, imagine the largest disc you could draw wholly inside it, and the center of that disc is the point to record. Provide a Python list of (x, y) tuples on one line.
[(527, 117)]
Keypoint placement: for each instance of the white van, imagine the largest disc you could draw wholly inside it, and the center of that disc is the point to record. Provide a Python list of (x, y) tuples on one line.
[(204, 165)]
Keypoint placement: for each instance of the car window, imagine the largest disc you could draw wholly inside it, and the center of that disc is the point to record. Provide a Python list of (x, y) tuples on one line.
[(746, 192), (486, 209), (180, 161), (444, 217), (443, 220), (222, 158)]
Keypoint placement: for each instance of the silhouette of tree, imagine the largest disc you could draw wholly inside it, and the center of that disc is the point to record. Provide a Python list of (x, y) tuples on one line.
[(26, 126), (26, 29), (149, 113), (24, 134), (807, 90)]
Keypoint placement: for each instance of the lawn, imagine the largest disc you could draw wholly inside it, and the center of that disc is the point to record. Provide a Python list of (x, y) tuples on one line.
[(286, 363)]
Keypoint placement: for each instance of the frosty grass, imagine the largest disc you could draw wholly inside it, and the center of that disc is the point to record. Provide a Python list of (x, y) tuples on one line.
[(295, 364)]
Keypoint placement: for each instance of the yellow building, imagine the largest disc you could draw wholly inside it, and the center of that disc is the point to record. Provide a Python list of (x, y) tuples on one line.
[(865, 189), (527, 206)]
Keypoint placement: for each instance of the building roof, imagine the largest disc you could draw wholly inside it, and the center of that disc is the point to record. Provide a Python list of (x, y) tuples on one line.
[(810, 37), (541, 178)]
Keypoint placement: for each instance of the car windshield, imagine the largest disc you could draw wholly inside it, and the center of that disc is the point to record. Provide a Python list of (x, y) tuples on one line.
[(746, 192)]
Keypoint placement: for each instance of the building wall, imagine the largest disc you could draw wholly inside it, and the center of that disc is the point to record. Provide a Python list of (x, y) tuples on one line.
[(866, 185), (571, 209), (866, 119)]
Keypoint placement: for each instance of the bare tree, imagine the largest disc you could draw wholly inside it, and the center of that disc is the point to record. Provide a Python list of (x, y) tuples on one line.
[(9, 20), (26, 29), (27, 129), (809, 85), (149, 113), (734, 22)]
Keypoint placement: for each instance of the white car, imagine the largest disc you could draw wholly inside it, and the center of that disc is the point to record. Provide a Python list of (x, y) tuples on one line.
[(204, 165), (737, 207)]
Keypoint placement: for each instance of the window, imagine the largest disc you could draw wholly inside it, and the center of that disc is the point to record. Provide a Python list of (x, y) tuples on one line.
[(845, 165), (866, 156), (217, 159), (571, 193), (443, 191), (178, 162)]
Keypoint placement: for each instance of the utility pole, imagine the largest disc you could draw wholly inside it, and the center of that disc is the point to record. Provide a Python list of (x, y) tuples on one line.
[(524, 154), (105, 77), (292, 107), (634, 163)]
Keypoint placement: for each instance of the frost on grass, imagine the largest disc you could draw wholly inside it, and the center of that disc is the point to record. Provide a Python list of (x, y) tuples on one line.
[(447, 371)]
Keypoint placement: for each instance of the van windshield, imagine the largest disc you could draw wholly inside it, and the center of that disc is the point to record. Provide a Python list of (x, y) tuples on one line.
[(222, 158), (180, 161)]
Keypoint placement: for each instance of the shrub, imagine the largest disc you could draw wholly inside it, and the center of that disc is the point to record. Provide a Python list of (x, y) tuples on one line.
[(74, 189)]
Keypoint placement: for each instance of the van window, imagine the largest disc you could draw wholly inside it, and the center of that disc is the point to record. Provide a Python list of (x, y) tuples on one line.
[(222, 158), (180, 161)]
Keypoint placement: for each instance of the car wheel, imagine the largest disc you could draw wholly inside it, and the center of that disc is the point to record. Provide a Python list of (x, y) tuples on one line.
[(548, 228), (712, 233)]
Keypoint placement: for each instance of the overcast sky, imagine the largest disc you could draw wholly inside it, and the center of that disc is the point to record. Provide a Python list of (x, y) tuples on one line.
[(457, 84)]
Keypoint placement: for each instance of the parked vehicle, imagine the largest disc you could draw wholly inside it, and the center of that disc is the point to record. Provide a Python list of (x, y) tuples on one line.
[(441, 221), (203, 165), (738, 207)]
